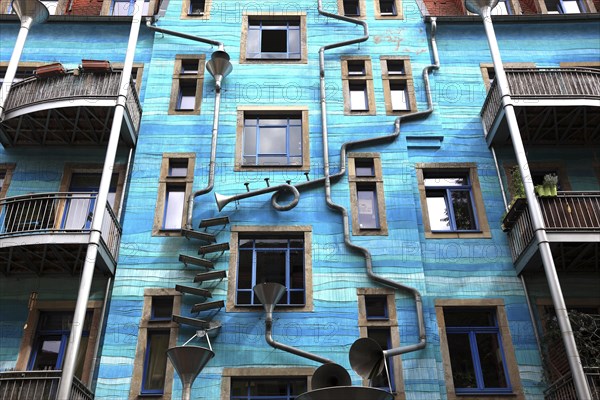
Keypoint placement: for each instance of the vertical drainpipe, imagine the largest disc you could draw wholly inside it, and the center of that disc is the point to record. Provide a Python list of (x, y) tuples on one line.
[(87, 275)]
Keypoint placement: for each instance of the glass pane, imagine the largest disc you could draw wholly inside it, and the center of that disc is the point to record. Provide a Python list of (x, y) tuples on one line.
[(437, 212), (47, 353), (399, 97), (463, 210), (383, 338), (358, 97), (196, 7), (351, 8), (121, 8), (364, 167), (273, 161), (395, 67), (297, 269), (446, 181), (570, 7), (387, 7), (294, 43), (243, 297), (51, 6), (264, 243), (490, 357), (270, 266), (368, 217), (376, 307), (156, 361), (77, 212), (250, 141), (272, 140), (295, 146), (162, 307), (461, 360), (245, 270), (356, 67), (552, 6), (174, 208), (253, 43), (178, 167), (274, 41), (187, 96), (469, 318), (190, 66)]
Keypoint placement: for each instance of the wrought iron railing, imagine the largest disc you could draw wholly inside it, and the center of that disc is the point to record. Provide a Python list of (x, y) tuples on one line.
[(542, 83), (38, 385), (567, 212), (68, 212), (564, 388), (71, 86)]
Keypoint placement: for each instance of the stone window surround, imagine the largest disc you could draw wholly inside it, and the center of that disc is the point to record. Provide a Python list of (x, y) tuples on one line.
[(186, 6), (367, 78), (407, 79), (275, 230), (274, 16), (146, 324), (391, 322), (272, 110), (164, 181), (252, 372), (399, 11), (7, 169), (106, 4), (361, 6), (353, 181), (484, 230), (30, 329), (179, 77), (509, 353)]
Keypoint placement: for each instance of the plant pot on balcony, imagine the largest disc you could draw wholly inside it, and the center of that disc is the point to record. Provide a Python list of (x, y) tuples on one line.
[(546, 190), (96, 66), (46, 71)]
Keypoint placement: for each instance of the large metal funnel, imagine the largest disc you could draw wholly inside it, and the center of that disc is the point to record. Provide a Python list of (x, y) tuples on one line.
[(366, 358), (475, 6), (269, 294), (347, 393), (219, 64), (188, 361), (33, 9)]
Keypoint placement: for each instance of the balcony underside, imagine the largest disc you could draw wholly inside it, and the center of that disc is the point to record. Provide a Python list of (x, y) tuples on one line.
[(568, 256), (64, 123), (49, 254), (551, 124)]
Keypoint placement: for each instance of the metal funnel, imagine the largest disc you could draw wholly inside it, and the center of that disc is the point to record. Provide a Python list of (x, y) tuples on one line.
[(33, 9), (219, 66), (188, 361), (269, 294), (366, 358), (475, 6), (347, 393)]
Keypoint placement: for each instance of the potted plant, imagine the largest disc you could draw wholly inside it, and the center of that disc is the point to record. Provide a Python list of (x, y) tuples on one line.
[(517, 191), (549, 186)]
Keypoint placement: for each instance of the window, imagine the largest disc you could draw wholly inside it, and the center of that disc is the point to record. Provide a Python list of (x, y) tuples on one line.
[(451, 201), (6, 171), (398, 85), (186, 89), (280, 38), (563, 7), (388, 9), (174, 188), (272, 138), (477, 351), (125, 7), (366, 194), (502, 8), (352, 8), (270, 254), (357, 80), (265, 383), (377, 319), (152, 374)]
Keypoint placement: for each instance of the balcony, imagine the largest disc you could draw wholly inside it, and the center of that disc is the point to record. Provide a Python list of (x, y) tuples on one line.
[(572, 222), (554, 106), (70, 109), (49, 233), (31, 385), (564, 388)]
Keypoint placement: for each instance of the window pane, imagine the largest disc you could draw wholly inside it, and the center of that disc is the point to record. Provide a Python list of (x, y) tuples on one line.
[(399, 97), (295, 146), (437, 210), (250, 141), (155, 362), (356, 67), (492, 367), (272, 140), (469, 318), (461, 360), (49, 347), (463, 210), (294, 43), (296, 269), (274, 41), (187, 95), (189, 66), (570, 7), (177, 168), (387, 7), (395, 67), (376, 307), (383, 337), (196, 7), (358, 96), (175, 200), (162, 307), (368, 216), (273, 161), (446, 181), (364, 167), (245, 270), (552, 6), (270, 266), (121, 8), (351, 8), (253, 43), (51, 6)]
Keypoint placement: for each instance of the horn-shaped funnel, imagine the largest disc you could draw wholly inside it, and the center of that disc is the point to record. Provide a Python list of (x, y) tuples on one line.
[(219, 66), (330, 375), (366, 358), (269, 295), (475, 6), (347, 393), (33, 9), (188, 361)]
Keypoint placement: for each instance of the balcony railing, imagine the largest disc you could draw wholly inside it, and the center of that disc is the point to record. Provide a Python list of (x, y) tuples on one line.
[(567, 212), (37, 385), (70, 212), (542, 83), (564, 388)]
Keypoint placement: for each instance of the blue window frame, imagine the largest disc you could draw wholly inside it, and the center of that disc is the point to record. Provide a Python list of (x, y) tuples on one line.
[(476, 353), (273, 39), (272, 140), (450, 203), (277, 259), (155, 362), (267, 388), (51, 341), (368, 207), (125, 7)]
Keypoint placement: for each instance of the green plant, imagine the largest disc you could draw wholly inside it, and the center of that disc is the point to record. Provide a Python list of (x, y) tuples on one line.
[(516, 188), (550, 180), (548, 186)]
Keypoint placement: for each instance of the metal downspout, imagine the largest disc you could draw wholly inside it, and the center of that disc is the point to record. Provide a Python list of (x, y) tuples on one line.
[(183, 35), (68, 371), (417, 115)]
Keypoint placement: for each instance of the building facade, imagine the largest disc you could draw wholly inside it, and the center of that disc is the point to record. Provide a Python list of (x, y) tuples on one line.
[(384, 125)]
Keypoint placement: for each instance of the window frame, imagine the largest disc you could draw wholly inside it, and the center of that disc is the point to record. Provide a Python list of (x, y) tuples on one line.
[(181, 79), (284, 16), (366, 79), (242, 111), (355, 181), (260, 373), (148, 325), (405, 78), (185, 10), (380, 15), (108, 8), (497, 305), (164, 182), (7, 169), (391, 323), (483, 230), (361, 7), (238, 231)]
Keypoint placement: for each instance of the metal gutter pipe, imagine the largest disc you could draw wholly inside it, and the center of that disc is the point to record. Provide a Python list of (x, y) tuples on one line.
[(68, 371), (484, 9), (183, 35)]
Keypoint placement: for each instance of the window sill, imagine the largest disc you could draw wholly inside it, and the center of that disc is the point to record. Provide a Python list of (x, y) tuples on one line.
[(458, 235), (370, 232), (239, 168), (255, 308)]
